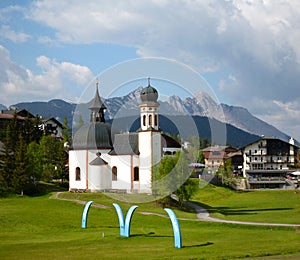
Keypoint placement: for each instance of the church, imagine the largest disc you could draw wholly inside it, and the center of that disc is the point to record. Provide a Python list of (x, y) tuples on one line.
[(101, 159)]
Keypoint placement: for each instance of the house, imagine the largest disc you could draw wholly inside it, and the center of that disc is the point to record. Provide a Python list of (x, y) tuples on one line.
[(267, 162), (101, 159), (7, 115), (214, 157), (51, 126)]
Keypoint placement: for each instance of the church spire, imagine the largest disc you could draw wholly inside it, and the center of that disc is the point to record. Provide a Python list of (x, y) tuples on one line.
[(97, 107)]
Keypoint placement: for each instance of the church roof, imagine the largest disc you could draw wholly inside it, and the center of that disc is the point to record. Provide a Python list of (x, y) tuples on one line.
[(95, 135), (97, 103), (125, 144), (98, 162), (169, 142), (149, 94)]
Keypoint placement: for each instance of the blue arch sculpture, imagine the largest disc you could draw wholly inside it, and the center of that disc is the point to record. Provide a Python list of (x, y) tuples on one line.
[(124, 225), (176, 228), (85, 213)]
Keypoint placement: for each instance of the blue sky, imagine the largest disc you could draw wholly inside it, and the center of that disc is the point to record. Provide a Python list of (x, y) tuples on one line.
[(247, 51)]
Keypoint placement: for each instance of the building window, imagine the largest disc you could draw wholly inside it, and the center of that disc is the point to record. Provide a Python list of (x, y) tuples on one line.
[(77, 174), (114, 172), (144, 120), (155, 120), (150, 120), (136, 174)]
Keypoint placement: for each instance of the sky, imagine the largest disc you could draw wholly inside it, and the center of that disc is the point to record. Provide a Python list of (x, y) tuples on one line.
[(247, 51)]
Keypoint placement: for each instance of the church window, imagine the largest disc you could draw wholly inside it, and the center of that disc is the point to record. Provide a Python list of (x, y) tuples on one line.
[(155, 120), (136, 174), (144, 120), (114, 172), (150, 120), (77, 174)]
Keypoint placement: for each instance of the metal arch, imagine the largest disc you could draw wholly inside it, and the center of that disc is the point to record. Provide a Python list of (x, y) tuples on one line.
[(124, 225), (128, 220), (85, 213), (176, 228)]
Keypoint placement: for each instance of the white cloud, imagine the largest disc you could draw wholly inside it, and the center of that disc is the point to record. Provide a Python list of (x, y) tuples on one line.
[(57, 80), (283, 115), (257, 42), (17, 37)]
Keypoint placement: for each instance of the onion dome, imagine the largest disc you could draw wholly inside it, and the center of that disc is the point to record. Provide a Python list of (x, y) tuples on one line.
[(149, 94), (95, 135)]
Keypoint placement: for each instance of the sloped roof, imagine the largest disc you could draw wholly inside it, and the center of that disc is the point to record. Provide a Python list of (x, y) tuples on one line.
[(168, 141), (19, 112), (45, 120), (97, 102), (125, 144), (98, 162), (96, 135)]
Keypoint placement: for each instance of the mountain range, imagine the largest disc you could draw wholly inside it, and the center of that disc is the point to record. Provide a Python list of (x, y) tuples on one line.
[(202, 108)]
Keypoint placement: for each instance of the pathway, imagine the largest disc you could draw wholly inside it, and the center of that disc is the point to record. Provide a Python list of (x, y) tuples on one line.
[(202, 214)]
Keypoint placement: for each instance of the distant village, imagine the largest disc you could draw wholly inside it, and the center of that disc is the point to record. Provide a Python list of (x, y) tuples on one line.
[(96, 162)]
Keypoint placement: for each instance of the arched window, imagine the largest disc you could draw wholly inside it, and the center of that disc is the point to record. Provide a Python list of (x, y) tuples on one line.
[(150, 120), (114, 172), (77, 174), (144, 120), (155, 120), (136, 174)]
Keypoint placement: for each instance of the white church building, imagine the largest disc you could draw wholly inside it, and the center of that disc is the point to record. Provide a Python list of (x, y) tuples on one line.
[(100, 159)]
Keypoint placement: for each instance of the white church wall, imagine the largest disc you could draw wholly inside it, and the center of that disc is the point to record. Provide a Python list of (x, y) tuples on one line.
[(99, 175), (123, 164), (150, 154), (77, 159)]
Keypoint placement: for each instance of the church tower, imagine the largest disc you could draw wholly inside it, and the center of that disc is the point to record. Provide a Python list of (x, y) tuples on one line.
[(150, 147), (97, 108)]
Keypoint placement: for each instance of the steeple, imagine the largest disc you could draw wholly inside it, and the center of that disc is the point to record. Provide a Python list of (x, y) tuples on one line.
[(97, 107), (149, 108)]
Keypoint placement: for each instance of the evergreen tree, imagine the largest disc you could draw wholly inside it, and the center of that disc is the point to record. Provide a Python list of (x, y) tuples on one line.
[(20, 175), (7, 161), (48, 149), (54, 158), (66, 131), (34, 161)]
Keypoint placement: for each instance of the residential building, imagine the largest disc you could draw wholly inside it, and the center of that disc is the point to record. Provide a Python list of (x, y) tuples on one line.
[(51, 126), (267, 162), (214, 157)]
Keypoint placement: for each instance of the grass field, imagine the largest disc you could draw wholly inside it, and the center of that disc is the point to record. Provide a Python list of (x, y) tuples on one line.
[(275, 206), (44, 228)]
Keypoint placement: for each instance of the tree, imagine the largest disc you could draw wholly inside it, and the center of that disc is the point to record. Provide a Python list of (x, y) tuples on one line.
[(66, 131), (6, 163), (225, 173), (54, 158), (172, 175), (34, 161), (20, 175)]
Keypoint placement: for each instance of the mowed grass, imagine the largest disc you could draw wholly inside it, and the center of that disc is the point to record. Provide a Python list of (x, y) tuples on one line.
[(44, 228), (275, 206)]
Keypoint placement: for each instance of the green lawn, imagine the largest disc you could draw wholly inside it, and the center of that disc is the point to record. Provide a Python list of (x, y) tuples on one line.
[(43, 228), (275, 206)]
